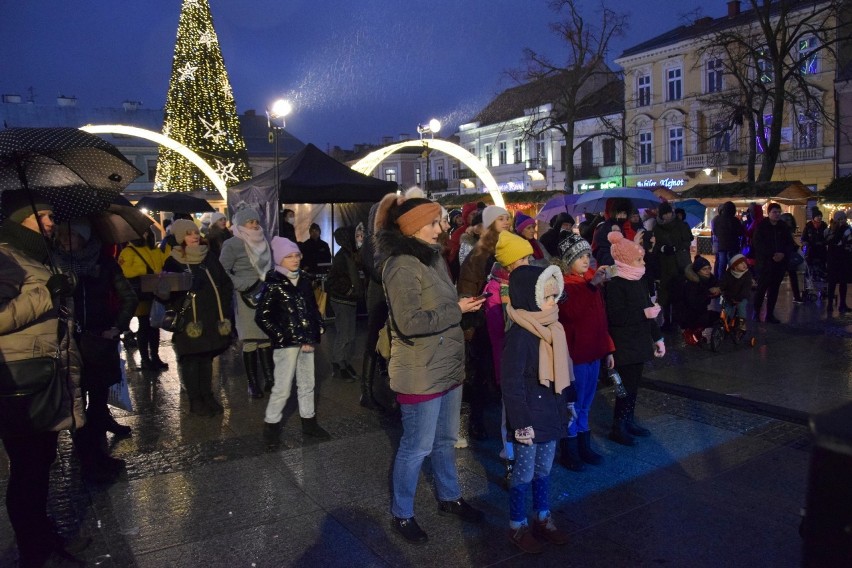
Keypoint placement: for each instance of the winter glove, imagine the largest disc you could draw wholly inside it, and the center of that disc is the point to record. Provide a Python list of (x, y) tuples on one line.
[(600, 277), (572, 413), (652, 312), (660, 348), (667, 250), (525, 435), (61, 284)]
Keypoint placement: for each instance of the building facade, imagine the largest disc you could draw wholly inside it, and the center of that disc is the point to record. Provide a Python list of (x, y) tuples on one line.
[(676, 134)]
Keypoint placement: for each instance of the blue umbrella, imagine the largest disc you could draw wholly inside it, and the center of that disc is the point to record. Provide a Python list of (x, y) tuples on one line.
[(694, 211), (595, 201), (556, 205)]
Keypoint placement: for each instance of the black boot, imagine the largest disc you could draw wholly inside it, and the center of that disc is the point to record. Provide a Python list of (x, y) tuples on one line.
[(367, 399), (250, 363), (154, 349), (508, 470), (267, 368), (92, 465), (633, 428), (311, 428), (189, 371), (619, 433), (569, 454), (584, 445), (272, 435)]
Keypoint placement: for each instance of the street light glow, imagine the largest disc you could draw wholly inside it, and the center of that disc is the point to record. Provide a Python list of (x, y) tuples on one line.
[(434, 125), (281, 108)]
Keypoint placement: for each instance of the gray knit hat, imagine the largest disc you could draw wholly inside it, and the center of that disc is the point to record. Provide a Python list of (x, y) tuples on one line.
[(573, 247), (245, 215)]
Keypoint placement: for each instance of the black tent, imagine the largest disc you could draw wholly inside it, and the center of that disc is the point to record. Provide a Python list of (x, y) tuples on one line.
[(311, 176)]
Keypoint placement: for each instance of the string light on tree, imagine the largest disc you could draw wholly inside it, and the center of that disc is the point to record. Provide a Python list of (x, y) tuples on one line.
[(200, 110)]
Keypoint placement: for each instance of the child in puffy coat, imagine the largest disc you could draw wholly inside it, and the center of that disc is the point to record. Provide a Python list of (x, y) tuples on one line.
[(699, 288), (536, 370), (287, 312), (583, 316), (736, 288)]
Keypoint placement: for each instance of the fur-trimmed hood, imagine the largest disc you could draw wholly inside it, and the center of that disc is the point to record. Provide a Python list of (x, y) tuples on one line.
[(391, 242)]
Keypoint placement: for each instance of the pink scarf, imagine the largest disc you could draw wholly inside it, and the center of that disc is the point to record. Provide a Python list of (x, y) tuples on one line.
[(629, 272)]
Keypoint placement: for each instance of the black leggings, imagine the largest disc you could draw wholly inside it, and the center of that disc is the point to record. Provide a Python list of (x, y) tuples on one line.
[(148, 338)]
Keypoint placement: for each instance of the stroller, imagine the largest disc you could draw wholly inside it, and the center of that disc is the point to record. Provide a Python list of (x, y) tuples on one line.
[(815, 280)]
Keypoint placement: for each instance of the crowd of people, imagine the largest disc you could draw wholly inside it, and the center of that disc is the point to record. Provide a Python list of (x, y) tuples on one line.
[(475, 308)]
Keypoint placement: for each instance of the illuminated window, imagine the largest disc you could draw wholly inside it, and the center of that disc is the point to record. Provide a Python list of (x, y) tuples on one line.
[(807, 130), (646, 145), (643, 90), (721, 137), (390, 174), (439, 170), (674, 82), (676, 144), (808, 59), (764, 66), (541, 150), (488, 155), (714, 76), (502, 152), (519, 150)]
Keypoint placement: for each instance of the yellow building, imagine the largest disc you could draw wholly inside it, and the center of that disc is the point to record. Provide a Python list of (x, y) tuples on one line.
[(677, 135)]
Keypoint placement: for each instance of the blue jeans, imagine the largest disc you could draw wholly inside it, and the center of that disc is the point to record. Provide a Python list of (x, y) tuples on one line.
[(428, 428), (723, 257), (585, 383)]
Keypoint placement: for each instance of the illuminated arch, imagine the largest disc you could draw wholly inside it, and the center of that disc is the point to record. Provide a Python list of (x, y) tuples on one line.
[(158, 138), (371, 161)]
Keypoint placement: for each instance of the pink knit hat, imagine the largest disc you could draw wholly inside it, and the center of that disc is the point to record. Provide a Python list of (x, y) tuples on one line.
[(624, 250), (282, 247)]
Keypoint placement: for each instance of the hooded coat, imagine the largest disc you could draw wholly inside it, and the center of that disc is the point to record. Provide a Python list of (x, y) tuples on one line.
[(344, 283), (235, 260), (427, 344), (727, 229), (527, 401), (695, 299)]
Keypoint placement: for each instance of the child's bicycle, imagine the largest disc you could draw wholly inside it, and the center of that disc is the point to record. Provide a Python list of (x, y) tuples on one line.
[(736, 329)]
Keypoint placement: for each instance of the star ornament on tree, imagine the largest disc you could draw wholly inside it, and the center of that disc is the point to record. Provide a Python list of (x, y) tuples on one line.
[(214, 131), (187, 72), (191, 4), (226, 171), (208, 38)]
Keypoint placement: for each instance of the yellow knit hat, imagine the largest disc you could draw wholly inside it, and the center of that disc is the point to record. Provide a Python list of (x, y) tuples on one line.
[(511, 248)]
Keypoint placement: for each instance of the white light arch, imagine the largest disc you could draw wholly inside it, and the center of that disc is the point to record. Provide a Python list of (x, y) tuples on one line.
[(158, 138), (371, 161)]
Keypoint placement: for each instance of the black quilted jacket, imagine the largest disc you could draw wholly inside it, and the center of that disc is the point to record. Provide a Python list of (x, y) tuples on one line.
[(289, 314)]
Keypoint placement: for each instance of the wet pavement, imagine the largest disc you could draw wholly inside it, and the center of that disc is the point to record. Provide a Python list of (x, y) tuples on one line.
[(720, 482)]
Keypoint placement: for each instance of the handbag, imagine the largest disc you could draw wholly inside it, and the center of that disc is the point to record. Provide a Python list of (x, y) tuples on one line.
[(119, 394), (167, 319), (251, 295), (31, 393), (101, 361)]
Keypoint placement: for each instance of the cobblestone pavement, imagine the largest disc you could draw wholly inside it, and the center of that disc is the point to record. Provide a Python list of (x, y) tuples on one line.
[(713, 486)]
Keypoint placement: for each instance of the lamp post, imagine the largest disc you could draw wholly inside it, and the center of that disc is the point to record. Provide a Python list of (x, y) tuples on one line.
[(431, 128), (708, 171), (276, 123)]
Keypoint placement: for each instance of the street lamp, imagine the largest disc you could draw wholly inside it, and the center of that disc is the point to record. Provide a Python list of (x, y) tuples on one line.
[(275, 121), (708, 171), (431, 128)]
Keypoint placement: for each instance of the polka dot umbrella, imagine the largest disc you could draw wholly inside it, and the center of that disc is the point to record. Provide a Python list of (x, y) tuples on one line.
[(78, 172)]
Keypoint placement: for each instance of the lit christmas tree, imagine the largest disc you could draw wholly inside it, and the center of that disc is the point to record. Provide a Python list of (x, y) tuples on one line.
[(200, 109)]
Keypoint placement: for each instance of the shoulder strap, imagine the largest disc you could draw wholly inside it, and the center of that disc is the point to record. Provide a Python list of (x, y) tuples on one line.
[(142, 258), (399, 334)]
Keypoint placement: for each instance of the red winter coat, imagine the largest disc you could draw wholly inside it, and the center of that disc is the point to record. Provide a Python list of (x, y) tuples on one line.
[(583, 315)]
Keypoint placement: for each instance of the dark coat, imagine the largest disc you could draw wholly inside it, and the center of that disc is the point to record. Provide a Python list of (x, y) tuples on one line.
[(770, 239), (104, 299), (314, 252), (735, 290), (216, 237), (695, 299), (727, 229), (634, 335), (813, 237), (206, 307), (839, 255), (601, 244), (288, 313), (527, 401), (344, 283)]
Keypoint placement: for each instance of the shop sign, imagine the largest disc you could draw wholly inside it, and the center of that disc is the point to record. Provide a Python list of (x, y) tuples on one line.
[(511, 186), (584, 187), (665, 182)]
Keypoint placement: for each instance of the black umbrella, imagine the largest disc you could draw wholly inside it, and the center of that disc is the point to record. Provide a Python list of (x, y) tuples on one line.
[(79, 173), (120, 224), (175, 202)]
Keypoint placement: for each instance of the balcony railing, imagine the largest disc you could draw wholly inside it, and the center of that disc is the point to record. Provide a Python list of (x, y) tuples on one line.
[(466, 174), (673, 166), (803, 154), (641, 169), (585, 170), (437, 185)]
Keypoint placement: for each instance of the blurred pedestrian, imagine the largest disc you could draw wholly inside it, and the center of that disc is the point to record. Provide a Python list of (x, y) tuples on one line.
[(772, 243), (247, 259), (315, 251), (536, 370), (550, 238), (727, 233), (345, 290), (794, 258), (673, 239), (287, 224), (289, 315), (217, 233), (813, 239), (205, 306), (525, 227), (839, 241), (427, 357), (634, 331)]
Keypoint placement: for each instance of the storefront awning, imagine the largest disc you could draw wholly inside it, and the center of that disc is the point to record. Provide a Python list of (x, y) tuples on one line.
[(785, 192)]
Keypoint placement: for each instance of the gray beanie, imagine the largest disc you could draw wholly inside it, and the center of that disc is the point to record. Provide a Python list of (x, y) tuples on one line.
[(245, 215)]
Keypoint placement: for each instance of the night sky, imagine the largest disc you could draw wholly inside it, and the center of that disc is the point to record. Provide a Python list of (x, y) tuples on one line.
[(355, 70)]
